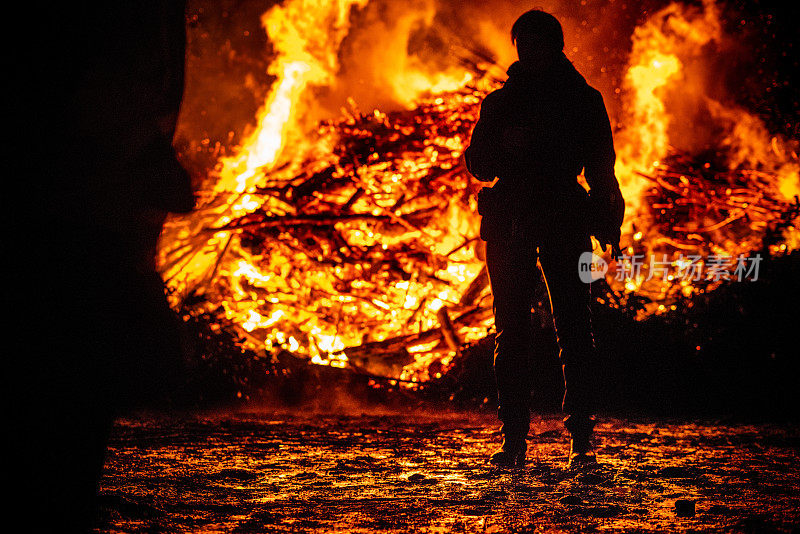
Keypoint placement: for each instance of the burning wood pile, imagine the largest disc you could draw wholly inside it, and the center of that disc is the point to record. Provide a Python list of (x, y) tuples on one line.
[(357, 247), (695, 212), (377, 245)]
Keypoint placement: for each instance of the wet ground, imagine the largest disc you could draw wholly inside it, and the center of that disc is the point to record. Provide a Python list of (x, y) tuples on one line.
[(276, 472)]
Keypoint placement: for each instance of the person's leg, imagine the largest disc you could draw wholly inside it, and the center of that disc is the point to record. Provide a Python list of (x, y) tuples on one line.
[(511, 277), (570, 300)]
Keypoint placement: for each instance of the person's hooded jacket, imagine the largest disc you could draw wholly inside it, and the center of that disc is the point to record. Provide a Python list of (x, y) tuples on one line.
[(536, 134)]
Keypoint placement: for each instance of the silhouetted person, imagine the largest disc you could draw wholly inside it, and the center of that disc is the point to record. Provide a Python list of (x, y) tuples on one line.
[(98, 94), (536, 134)]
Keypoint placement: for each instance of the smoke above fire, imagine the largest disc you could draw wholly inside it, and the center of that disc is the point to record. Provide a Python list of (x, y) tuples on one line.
[(339, 223)]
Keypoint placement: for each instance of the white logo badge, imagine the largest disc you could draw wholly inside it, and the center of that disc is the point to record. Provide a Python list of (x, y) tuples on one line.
[(591, 267)]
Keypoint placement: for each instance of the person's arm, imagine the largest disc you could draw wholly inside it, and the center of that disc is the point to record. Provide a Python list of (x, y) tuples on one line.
[(481, 155), (608, 206)]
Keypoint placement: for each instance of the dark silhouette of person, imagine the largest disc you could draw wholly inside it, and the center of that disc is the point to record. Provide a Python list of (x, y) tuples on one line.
[(100, 86), (536, 134)]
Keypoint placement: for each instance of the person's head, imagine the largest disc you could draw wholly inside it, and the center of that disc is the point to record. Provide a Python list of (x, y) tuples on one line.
[(539, 39)]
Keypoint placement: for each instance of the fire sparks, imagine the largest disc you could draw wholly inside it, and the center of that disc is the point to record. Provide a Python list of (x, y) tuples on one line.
[(353, 242)]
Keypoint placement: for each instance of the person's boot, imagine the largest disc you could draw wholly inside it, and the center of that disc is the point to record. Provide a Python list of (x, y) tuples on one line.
[(511, 453), (581, 453), (516, 424)]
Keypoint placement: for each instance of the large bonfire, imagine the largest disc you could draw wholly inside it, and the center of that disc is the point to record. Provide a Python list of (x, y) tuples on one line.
[(352, 241)]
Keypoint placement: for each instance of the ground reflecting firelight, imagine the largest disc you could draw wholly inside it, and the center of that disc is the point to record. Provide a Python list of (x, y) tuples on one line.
[(281, 472)]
